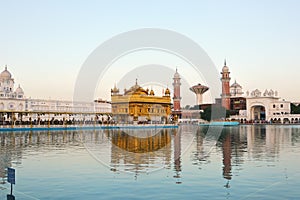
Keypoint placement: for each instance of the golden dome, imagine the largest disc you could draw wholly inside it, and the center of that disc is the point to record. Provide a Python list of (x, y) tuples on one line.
[(167, 92), (114, 90), (151, 92), (136, 89)]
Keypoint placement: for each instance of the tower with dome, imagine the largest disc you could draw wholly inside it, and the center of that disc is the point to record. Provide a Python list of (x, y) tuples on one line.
[(7, 84), (176, 96), (225, 87), (17, 109), (10, 99), (255, 106)]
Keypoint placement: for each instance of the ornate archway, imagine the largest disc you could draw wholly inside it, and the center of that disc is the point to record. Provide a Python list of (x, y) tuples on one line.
[(258, 112)]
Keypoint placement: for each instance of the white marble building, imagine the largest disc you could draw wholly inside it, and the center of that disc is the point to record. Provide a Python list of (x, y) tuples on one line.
[(236, 90), (13, 101), (10, 99), (266, 106)]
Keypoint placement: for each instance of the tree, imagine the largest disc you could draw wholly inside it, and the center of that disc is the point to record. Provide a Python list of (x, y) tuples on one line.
[(215, 112), (295, 109), (195, 107), (187, 107)]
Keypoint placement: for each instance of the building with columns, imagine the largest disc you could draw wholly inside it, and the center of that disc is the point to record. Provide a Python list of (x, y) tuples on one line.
[(255, 106), (237, 99), (268, 106), (139, 105), (16, 108)]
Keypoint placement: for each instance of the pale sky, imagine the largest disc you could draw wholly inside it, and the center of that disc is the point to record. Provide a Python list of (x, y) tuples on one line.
[(45, 43)]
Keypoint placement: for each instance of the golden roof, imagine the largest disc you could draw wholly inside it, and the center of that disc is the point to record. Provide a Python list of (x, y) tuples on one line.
[(167, 92), (136, 89)]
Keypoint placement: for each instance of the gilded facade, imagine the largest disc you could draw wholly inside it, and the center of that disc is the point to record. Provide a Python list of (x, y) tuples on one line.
[(137, 105)]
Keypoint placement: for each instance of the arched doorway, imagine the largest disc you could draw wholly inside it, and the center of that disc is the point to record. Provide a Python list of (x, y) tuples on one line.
[(258, 112)]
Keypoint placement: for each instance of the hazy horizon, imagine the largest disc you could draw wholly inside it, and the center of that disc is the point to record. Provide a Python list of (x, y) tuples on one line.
[(44, 44)]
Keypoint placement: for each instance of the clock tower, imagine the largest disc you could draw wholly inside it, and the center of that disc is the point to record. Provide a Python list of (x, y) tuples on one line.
[(225, 87)]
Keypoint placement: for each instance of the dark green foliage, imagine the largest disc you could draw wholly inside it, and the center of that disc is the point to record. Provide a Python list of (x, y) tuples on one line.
[(295, 109), (215, 112), (195, 107)]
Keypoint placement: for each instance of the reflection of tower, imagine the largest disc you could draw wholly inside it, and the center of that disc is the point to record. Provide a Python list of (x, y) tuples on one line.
[(176, 97), (225, 87), (177, 154), (227, 157), (199, 90)]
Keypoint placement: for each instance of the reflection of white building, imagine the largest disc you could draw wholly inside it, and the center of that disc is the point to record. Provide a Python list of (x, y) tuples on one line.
[(266, 141), (13, 101)]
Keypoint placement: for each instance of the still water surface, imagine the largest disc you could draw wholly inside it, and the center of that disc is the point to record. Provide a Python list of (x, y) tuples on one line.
[(245, 162)]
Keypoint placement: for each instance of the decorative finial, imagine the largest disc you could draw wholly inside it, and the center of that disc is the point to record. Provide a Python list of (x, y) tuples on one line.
[(176, 69), (5, 67), (224, 62), (136, 81)]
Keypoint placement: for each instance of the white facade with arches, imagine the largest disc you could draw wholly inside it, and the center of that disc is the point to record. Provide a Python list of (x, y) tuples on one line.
[(15, 106), (268, 106)]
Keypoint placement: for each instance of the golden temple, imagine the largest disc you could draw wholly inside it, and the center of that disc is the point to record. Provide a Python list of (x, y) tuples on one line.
[(138, 105)]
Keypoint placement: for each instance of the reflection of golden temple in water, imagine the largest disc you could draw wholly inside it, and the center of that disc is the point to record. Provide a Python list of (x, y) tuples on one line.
[(161, 150), (136, 144), (141, 154)]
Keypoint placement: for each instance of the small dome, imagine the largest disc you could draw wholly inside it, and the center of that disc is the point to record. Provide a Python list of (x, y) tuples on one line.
[(176, 75), (225, 69), (5, 74), (167, 92), (236, 85), (114, 90), (136, 90), (151, 92), (19, 90)]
